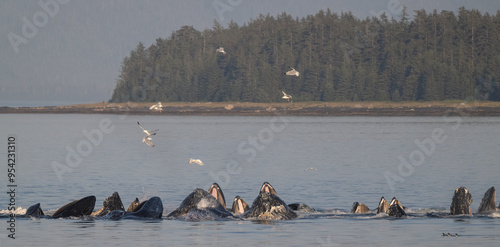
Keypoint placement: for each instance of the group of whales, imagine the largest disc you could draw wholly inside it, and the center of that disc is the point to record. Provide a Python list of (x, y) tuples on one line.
[(112, 209), (201, 204), (460, 204)]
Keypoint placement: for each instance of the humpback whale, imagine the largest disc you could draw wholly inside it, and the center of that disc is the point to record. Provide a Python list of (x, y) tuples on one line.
[(110, 204), (301, 207), (395, 208), (198, 205), (268, 206), (112, 209), (359, 208), (383, 206), (34, 211), (135, 205), (216, 192), (239, 205), (266, 187), (151, 208), (76, 208), (488, 204), (461, 202)]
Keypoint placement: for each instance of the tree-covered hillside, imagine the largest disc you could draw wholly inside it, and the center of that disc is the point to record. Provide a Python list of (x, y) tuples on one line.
[(433, 56)]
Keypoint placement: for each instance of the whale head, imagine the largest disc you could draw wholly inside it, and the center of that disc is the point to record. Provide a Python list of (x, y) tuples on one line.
[(216, 192), (461, 202), (488, 204), (239, 205)]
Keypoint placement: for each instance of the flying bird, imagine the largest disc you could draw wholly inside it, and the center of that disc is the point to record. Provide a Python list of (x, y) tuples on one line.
[(287, 96), (195, 161), (157, 107), (147, 139), (221, 50), (292, 72)]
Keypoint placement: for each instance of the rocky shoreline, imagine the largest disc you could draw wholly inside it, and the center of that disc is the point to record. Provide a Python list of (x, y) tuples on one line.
[(269, 109)]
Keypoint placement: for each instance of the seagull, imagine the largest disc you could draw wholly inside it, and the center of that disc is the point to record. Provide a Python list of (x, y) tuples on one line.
[(292, 72), (195, 161), (221, 50), (287, 96), (157, 106), (147, 139)]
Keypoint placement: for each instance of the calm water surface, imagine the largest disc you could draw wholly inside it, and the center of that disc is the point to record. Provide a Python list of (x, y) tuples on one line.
[(325, 162)]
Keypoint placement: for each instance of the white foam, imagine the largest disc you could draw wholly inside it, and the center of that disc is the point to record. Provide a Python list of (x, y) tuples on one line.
[(426, 210), (18, 211)]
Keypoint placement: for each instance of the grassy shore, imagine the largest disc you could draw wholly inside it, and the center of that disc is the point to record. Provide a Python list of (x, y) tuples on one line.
[(472, 108)]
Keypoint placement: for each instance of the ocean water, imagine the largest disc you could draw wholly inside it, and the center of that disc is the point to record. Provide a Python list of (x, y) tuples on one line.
[(326, 162)]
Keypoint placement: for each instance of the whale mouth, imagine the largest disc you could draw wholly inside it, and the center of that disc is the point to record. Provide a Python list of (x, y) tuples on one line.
[(461, 202), (488, 203), (268, 188), (240, 207), (216, 192), (268, 206), (383, 206), (76, 208)]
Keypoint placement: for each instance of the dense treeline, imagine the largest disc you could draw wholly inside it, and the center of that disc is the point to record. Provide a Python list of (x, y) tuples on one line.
[(433, 56)]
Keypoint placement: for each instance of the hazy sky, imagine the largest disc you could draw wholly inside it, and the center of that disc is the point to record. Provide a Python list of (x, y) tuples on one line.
[(57, 52)]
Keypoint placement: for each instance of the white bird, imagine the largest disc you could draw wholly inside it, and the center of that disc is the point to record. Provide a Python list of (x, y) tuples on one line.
[(287, 96), (195, 161), (221, 50), (147, 139), (292, 72), (157, 107)]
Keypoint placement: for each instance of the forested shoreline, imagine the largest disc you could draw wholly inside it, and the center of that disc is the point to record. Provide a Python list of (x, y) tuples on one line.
[(429, 57)]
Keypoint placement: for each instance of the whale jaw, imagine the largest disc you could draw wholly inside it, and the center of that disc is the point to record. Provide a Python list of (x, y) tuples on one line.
[(269, 206), (488, 204), (109, 204), (35, 211), (239, 205), (461, 202), (267, 187), (396, 209), (383, 206), (76, 208), (359, 208), (216, 192)]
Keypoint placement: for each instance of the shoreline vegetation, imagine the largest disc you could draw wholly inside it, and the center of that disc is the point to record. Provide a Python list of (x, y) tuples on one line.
[(434, 56), (429, 108)]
